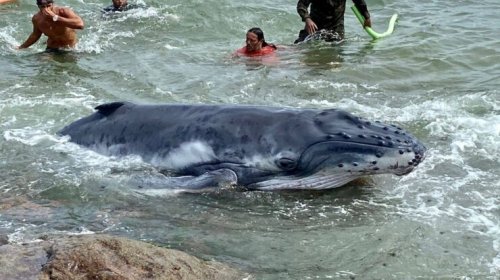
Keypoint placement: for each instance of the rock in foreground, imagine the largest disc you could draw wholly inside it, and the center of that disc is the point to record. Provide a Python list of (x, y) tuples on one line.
[(104, 257)]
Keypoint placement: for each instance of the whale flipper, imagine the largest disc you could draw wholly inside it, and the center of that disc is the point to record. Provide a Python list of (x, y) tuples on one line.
[(210, 179)]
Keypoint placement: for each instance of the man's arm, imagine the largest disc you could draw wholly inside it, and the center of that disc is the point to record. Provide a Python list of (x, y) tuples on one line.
[(69, 18), (303, 9), (363, 9), (34, 36)]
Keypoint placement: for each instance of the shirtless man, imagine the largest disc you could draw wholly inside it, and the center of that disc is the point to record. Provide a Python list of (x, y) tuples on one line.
[(57, 23)]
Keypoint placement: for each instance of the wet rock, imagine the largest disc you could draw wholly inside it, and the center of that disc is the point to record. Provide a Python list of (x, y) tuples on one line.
[(104, 257), (4, 239), (22, 261)]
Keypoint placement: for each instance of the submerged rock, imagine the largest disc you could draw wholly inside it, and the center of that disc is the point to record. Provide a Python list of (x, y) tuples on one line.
[(104, 257)]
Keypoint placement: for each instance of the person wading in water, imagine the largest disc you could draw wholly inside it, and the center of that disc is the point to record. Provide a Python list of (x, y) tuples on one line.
[(57, 23)]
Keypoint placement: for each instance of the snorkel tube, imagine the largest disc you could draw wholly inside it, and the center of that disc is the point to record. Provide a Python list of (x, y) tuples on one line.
[(372, 32)]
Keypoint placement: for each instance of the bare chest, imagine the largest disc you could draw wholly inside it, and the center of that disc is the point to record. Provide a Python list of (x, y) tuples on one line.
[(52, 29)]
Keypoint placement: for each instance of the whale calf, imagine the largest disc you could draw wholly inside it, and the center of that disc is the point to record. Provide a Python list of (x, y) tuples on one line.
[(257, 147)]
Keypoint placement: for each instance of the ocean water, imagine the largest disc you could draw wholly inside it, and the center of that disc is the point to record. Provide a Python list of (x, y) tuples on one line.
[(437, 76)]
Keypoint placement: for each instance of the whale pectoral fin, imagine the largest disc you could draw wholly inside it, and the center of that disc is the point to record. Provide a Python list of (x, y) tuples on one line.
[(210, 179)]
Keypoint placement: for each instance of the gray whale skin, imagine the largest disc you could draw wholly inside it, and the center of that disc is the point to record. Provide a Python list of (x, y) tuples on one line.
[(257, 147)]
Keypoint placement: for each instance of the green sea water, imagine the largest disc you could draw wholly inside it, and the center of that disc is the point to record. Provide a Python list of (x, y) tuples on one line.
[(437, 75)]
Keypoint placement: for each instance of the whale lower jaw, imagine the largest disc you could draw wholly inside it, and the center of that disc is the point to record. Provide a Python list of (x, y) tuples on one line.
[(313, 182)]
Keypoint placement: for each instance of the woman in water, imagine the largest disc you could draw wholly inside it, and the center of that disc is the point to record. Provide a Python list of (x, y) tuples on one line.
[(255, 44)]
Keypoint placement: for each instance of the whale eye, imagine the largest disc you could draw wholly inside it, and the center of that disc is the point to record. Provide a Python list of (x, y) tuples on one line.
[(286, 163)]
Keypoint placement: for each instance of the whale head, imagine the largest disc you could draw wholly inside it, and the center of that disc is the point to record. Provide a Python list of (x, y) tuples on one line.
[(339, 147)]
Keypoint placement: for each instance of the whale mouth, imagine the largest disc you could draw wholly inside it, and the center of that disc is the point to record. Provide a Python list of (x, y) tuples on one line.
[(331, 177), (368, 158)]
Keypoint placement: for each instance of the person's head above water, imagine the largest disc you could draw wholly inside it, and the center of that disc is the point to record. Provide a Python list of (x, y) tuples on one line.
[(44, 3), (255, 40), (119, 3)]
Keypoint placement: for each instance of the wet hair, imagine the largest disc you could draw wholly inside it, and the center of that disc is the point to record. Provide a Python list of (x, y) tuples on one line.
[(44, 2), (260, 35)]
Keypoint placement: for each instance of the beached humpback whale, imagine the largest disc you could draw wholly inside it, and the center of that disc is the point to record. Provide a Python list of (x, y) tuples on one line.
[(265, 148)]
